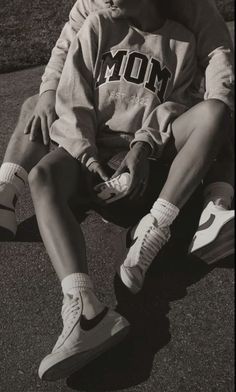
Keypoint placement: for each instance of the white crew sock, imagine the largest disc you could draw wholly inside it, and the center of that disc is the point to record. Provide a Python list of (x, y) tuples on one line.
[(15, 175), (81, 284), (13, 179), (75, 283), (220, 193), (164, 212)]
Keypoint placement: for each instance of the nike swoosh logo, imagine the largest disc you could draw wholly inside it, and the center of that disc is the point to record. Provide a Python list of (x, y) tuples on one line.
[(2, 207), (87, 325), (129, 240), (111, 196), (17, 175), (208, 223)]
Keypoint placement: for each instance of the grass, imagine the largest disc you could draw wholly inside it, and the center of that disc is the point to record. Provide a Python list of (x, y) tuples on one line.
[(29, 29)]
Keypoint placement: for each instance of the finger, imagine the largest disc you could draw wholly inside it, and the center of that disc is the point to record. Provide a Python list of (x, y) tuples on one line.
[(50, 119), (44, 128), (131, 189), (121, 169), (102, 173), (29, 126), (133, 180), (145, 180), (34, 128), (138, 182)]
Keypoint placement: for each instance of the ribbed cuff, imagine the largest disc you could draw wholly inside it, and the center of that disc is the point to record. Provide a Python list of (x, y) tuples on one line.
[(49, 85), (164, 212), (78, 281)]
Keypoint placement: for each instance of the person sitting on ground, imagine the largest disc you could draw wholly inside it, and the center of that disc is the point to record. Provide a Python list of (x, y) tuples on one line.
[(127, 92), (215, 58)]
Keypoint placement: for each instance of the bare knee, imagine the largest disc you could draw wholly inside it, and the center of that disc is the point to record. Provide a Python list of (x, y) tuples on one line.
[(43, 182), (49, 179), (29, 104), (216, 116)]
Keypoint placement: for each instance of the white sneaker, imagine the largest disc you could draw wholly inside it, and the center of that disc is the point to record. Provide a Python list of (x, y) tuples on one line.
[(142, 245), (113, 189), (81, 340), (214, 238), (7, 211)]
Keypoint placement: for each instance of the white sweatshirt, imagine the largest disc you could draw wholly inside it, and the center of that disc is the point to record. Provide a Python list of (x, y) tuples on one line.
[(124, 87), (214, 46)]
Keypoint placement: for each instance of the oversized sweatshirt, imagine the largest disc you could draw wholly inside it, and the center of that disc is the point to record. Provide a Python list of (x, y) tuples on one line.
[(214, 46), (121, 85)]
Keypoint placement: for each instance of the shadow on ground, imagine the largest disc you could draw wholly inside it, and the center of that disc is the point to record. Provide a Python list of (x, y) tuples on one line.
[(168, 279), (131, 362)]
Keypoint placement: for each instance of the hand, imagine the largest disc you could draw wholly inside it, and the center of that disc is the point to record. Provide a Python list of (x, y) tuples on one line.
[(95, 174), (43, 116), (136, 163), (96, 169), (108, 3)]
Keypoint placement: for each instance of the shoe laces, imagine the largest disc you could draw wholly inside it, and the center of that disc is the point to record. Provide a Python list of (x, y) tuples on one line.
[(71, 311), (153, 240), (115, 184)]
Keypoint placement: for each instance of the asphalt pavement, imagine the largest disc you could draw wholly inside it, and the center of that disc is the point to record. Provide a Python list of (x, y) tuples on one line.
[(182, 335)]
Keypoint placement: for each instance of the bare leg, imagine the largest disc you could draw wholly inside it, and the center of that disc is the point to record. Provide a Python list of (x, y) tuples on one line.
[(222, 170), (21, 155), (214, 238), (20, 150), (53, 182), (198, 136)]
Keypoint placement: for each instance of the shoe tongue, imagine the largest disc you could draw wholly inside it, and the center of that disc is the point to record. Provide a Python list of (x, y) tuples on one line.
[(215, 206), (219, 207), (68, 298)]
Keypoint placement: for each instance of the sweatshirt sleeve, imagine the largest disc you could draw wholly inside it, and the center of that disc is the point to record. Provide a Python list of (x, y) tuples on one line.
[(156, 129), (75, 129), (53, 70), (219, 77), (214, 46)]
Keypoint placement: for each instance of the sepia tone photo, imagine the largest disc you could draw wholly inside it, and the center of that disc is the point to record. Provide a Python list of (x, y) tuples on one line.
[(117, 196)]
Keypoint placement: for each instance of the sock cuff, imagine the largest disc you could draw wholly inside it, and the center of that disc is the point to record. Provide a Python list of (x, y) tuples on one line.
[(77, 280), (14, 174), (164, 212)]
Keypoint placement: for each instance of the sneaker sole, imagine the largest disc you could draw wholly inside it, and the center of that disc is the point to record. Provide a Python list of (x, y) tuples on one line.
[(128, 282), (77, 361), (222, 246)]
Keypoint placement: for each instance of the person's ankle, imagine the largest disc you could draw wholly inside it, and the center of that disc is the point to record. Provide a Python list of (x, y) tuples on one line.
[(91, 305), (79, 284)]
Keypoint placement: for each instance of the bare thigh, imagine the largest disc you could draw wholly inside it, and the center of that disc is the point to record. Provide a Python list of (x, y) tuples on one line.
[(20, 149), (207, 117)]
